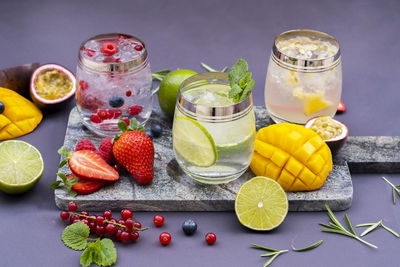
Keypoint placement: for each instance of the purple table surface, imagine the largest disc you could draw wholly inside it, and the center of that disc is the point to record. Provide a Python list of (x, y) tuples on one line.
[(181, 34)]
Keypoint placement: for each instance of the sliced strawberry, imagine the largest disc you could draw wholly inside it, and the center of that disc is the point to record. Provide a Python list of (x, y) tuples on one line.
[(88, 165), (85, 186)]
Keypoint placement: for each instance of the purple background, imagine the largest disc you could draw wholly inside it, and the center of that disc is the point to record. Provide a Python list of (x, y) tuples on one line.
[(181, 34)]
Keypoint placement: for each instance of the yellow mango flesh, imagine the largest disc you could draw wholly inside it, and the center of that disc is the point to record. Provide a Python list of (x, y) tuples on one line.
[(294, 156), (20, 116)]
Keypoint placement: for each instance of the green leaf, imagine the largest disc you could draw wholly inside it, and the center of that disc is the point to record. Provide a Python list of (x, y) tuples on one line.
[(63, 151), (247, 90), (75, 236), (265, 248), (394, 196), (235, 91), (107, 255), (62, 176), (393, 232), (122, 126), (208, 68), (238, 71), (312, 246), (87, 257), (62, 163), (268, 254), (133, 124), (349, 224), (159, 75), (371, 228), (55, 185)]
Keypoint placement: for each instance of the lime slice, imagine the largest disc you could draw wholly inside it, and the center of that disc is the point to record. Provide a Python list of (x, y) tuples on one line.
[(193, 142), (21, 166), (261, 204)]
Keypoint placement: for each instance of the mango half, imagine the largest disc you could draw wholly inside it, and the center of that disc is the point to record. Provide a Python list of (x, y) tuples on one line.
[(294, 156), (20, 116)]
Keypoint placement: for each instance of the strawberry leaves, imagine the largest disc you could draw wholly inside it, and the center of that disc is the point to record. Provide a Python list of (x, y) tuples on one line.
[(101, 252)]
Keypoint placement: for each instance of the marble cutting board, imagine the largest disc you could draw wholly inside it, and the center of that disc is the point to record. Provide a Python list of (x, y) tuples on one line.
[(173, 190)]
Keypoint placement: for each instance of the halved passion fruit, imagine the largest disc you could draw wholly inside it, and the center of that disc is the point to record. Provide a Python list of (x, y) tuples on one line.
[(332, 131), (52, 86)]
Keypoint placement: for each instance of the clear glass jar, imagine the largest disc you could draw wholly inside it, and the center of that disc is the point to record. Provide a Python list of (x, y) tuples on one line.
[(113, 82), (213, 138), (304, 78)]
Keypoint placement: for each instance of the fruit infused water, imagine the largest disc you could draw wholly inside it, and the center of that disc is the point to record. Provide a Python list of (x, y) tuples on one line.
[(113, 82), (304, 78), (213, 137)]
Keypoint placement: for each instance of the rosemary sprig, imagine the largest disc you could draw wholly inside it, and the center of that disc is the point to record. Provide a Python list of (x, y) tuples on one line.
[(159, 75), (312, 246), (373, 226), (273, 253), (210, 69), (395, 189), (336, 227)]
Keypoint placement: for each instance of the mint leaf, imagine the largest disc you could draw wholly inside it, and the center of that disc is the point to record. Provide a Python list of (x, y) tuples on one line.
[(240, 81), (55, 185), (62, 163), (63, 151), (106, 254), (75, 236), (87, 257)]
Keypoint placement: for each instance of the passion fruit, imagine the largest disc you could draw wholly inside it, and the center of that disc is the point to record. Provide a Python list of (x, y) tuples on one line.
[(332, 131), (52, 86)]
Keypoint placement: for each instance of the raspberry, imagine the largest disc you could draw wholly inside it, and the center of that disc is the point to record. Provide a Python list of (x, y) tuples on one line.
[(105, 150), (83, 85), (117, 113), (95, 119), (135, 110), (109, 49), (85, 144), (90, 52)]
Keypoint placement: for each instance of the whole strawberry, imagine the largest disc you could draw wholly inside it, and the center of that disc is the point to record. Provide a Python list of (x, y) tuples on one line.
[(134, 150)]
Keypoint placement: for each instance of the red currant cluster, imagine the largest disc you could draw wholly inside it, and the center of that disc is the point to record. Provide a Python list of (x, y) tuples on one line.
[(124, 229)]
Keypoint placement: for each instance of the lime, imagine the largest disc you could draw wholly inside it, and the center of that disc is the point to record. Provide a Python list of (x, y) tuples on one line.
[(193, 142), (21, 166), (169, 88), (261, 204)]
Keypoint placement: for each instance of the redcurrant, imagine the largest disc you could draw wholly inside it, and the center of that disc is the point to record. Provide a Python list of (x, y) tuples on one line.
[(84, 212), (158, 220), (73, 218), (72, 206), (134, 236), (118, 234), (100, 220), (211, 238), (165, 238), (126, 214), (138, 47), (99, 230), (125, 236), (107, 214), (64, 215), (85, 221), (111, 229), (129, 225), (137, 225)]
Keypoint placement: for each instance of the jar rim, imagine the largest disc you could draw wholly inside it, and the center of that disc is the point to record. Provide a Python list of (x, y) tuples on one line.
[(112, 66), (214, 111), (290, 61)]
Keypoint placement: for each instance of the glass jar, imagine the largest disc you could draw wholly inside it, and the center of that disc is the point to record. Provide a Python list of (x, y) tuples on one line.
[(113, 82), (213, 138), (304, 78)]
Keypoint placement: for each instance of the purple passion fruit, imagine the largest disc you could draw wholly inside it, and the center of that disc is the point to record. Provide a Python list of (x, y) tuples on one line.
[(52, 86), (333, 132)]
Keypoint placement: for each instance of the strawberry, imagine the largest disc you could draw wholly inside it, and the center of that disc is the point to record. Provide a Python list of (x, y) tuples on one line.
[(88, 165), (105, 150), (85, 144), (134, 150), (85, 186)]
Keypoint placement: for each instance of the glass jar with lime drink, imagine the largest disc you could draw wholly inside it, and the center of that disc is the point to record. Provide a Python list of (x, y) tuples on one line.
[(213, 134)]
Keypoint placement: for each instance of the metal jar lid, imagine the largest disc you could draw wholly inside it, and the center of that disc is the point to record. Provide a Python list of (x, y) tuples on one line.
[(95, 66), (194, 110), (289, 61)]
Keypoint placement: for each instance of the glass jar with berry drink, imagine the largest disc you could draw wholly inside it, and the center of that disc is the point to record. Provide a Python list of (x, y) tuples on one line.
[(113, 82)]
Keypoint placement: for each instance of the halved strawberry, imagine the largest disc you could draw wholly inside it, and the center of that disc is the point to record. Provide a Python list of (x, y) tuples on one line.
[(85, 186), (88, 165)]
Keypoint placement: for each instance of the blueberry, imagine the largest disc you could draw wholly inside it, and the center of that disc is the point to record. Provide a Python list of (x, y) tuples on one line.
[(116, 101), (149, 134), (156, 129), (1, 107), (189, 227)]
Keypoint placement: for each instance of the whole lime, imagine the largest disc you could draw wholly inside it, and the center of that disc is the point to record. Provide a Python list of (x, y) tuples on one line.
[(169, 89)]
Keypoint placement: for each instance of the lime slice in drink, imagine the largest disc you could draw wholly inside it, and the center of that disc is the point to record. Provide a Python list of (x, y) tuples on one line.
[(261, 204), (21, 166), (193, 142)]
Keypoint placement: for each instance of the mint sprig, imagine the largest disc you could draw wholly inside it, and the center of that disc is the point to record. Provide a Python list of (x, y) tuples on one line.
[(240, 81), (101, 252), (67, 182)]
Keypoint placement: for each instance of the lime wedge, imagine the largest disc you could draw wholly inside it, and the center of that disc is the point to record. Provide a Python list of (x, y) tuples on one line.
[(21, 166), (261, 204), (193, 142)]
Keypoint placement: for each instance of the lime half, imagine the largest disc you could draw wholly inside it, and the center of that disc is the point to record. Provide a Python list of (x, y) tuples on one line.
[(261, 204), (193, 142), (21, 166)]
